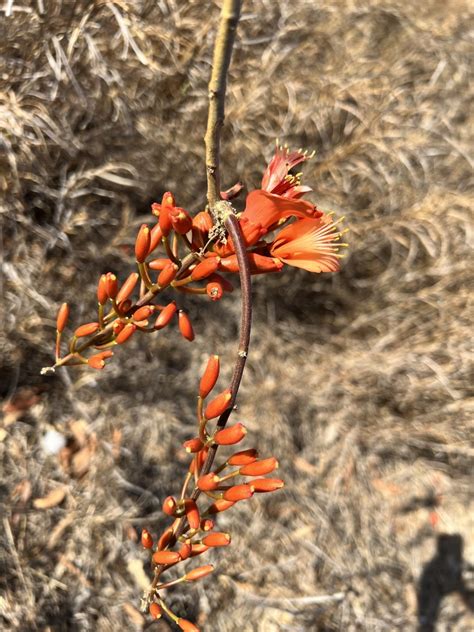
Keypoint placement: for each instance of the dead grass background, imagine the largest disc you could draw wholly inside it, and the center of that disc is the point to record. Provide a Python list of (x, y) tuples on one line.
[(358, 382)]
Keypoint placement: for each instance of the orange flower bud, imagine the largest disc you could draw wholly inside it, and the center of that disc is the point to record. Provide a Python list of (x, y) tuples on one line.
[(232, 434), (210, 375), (63, 315), (142, 243), (214, 291), (112, 285), (125, 334), (187, 626), (159, 264), (262, 485), (218, 405), (199, 573), (166, 315), (185, 551), (155, 237), (199, 459), (193, 445), (165, 539), (207, 525), (224, 283), (166, 557), (147, 540), (167, 274), (259, 468), (143, 313), (208, 482), (102, 295), (220, 505), (97, 361), (181, 220), (185, 326), (243, 458), (128, 287), (238, 492), (205, 268), (117, 327), (198, 549), (202, 224), (124, 306), (259, 264), (86, 330), (167, 203), (155, 611), (192, 513), (169, 506), (216, 539), (155, 209)]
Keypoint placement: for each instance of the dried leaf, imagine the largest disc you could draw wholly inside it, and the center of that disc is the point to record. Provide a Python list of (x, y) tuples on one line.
[(54, 498)]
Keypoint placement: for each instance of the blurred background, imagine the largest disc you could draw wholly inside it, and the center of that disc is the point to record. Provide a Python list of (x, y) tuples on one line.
[(358, 382)]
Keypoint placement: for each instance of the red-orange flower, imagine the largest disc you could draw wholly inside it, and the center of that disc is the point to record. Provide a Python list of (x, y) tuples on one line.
[(277, 178), (311, 244)]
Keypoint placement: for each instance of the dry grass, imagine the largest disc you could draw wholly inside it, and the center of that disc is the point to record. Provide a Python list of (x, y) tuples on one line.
[(358, 382)]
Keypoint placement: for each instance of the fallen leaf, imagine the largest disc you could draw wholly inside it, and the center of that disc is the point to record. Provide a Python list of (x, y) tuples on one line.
[(54, 498)]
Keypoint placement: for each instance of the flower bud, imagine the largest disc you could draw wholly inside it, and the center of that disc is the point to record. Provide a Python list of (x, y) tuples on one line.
[(124, 306), (155, 611), (167, 203), (165, 539), (223, 282), (262, 485), (112, 285), (210, 375), (259, 468), (102, 295), (259, 264), (220, 505), (159, 264), (187, 626), (198, 549), (155, 237), (205, 268), (218, 405), (193, 445), (207, 524), (181, 220), (97, 361), (185, 551), (169, 506), (199, 573), (166, 315), (117, 327), (202, 224), (243, 458), (192, 513), (142, 243), (63, 315), (238, 492), (199, 459), (143, 313), (208, 482), (166, 557), (216, 539), (86, 330), (185, 326), (147, 540), (167, 274), (229, 436), (214, 291), (127, 288), (125, 334)]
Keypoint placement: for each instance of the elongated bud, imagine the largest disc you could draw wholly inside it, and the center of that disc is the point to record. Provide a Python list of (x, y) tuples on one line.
[(259, 468), (187, 626), (97, 361), (165, 539), (86, 330), (143, 313), (207, 524), (216, 539), (117, 327), (155, 237), (202, 224), (185, 551), (127, 288), (218, 405), (155, 611), (63, 315), (125, 334), (167, 203), (169, 506), (166, 315), (262, 485), (198, 549), (124, 306), (159, 264), (208, 482), (205, 268), (220, 505), (244, 457), (147, 540), (259, 264), (214, 291), (223, 282), (181, 220), (167, 274), (199, 460), (185, 326), (210, 375), (166, 557), (192, 513), (230, 435), (199, 573), (102, 295), (193, 445), (112, 285), (142, 243), (155, 209), (238, 492)]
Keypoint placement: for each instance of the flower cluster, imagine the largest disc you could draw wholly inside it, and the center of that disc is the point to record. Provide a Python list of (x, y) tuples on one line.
[(189, 256), (193, 530)]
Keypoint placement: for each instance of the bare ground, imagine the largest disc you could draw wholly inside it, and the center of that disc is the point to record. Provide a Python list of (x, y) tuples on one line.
[(359, 382)]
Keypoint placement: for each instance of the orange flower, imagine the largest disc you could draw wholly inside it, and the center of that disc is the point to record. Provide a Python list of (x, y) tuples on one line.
[(277, 178), (311, 244)]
